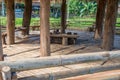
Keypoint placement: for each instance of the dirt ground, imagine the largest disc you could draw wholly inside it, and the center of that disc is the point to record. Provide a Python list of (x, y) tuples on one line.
[(30, 47)]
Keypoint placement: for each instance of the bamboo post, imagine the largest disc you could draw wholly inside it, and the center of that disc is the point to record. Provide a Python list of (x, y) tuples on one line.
[(6, 73)]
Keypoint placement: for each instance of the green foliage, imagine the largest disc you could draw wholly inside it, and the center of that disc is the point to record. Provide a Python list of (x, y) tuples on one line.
[(82, 8)]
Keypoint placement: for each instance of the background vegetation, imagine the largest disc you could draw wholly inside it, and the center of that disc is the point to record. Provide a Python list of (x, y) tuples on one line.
[(82, 14)]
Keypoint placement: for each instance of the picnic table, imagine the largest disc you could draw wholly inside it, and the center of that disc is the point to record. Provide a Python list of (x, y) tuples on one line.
[(65, 38)]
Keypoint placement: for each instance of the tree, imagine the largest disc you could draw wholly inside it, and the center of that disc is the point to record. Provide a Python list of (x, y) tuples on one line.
[(100, 18), (82, 8), (27, 16), (110, 21), (44, 27), (10, 21)]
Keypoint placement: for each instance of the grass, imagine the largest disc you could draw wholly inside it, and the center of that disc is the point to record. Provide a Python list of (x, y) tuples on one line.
[(75, 22)]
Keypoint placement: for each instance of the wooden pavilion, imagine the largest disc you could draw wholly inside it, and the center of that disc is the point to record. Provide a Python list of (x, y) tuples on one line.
[(106, 14), (106, 32)]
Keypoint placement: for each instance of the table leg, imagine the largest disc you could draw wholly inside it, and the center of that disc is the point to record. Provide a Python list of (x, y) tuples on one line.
[(65, 41)]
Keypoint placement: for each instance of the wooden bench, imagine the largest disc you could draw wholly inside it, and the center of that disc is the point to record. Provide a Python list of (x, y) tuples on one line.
[(35, 28), (65, 38), (4, 36), (22, 29)]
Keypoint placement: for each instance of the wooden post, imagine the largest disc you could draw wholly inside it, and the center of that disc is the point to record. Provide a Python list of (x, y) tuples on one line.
[(27, 16), (110, 21), (6, 73), (44, 28), (1, 49), (1, 52), (100, 19), (63, 16), (10, 22)]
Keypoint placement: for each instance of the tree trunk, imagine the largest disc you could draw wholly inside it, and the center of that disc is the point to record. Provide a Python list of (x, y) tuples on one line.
[(100, 18), (27, 16), (110, 21), (63, 16), (10, 22), (44, 27)]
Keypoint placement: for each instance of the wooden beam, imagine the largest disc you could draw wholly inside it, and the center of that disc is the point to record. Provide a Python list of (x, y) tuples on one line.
[(108, 75), (45, 62), (10, 22), (44, 28), (110, 21), (63, 16)]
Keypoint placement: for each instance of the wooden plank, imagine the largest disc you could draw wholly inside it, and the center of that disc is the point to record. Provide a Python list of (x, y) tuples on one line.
[(64, 35), (71, 71), (108, 75)]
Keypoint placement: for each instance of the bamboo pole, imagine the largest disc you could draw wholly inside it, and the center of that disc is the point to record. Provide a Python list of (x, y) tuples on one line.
[(53, 61), (6, 73)]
